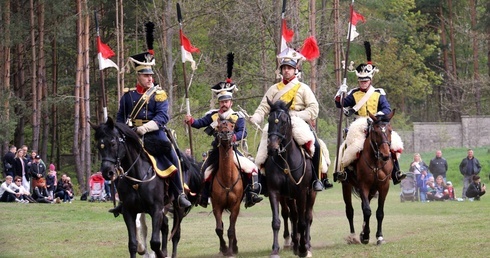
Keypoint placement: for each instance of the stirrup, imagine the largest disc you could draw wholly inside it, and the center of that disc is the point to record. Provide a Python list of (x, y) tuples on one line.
[(317, 186), (183, 202), (340, 176), (400, 176), (251, 199)]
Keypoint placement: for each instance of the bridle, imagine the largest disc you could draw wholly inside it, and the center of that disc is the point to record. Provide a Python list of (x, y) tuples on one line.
[(375, 145), (283, 147)]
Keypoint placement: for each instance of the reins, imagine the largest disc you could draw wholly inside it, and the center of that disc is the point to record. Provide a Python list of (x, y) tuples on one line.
[(375, 149)]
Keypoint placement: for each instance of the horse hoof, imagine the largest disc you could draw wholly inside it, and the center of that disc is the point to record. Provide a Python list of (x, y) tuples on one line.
[(310, 254), (287, 243), (275, 256), (352, 239), (380, 241)]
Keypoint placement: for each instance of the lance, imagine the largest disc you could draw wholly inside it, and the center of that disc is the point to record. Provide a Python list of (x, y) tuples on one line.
[(189, 128), (283, 14), (101, 72), (342, 96)]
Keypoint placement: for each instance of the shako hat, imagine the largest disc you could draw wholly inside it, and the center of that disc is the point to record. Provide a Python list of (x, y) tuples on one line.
[(366, 71), (290, 57), (143, 62), (224, 90)]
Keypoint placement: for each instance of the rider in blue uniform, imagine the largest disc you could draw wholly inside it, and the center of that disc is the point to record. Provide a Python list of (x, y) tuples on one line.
[(224, 91), (145, 109)]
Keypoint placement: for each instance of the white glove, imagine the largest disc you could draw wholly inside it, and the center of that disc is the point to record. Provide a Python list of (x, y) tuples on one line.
[(342, 89), (256, 119), (148, 127)]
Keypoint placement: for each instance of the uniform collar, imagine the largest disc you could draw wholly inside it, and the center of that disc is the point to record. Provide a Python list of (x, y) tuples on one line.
[(285, 81), (140, 89)]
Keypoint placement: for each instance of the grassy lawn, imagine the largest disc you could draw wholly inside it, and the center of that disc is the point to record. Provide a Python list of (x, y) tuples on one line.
[(411, 229)]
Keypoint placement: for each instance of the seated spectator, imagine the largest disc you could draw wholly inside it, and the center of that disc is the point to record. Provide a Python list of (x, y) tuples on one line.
[(40, 193), (431, 188), (19, 188), (439, 192), (68, 188), (6, 193), (59, 191), (476, 189), (51, 180), (422, 182), (450, 189)]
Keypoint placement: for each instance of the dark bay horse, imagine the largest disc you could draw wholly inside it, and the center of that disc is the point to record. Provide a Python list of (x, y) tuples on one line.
[(227, 188), (372, 174), (139, 188), (288, 176)]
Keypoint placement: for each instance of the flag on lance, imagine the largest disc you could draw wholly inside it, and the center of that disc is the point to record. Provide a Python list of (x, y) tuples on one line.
[(354, 19), (104, 53), (187, 50)]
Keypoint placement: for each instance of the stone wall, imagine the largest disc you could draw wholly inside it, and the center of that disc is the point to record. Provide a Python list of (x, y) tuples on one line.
[(473, 131)]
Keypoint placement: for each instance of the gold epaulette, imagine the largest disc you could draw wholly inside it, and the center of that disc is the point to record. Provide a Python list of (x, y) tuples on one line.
[(128, 89), (160, 96)]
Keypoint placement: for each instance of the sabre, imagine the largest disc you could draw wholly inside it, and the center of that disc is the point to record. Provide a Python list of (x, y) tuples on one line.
[(257, 126)]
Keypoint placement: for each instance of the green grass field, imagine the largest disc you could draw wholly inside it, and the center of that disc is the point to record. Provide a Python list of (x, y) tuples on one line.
[(411, 229)]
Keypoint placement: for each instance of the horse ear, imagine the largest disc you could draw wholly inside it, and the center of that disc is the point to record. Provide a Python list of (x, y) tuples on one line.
[(391, 114), (110, 123), (373, 117), (94, 126), (269, 101)]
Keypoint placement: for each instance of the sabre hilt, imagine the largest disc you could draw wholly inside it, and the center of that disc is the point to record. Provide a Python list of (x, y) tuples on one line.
[(248, 118)]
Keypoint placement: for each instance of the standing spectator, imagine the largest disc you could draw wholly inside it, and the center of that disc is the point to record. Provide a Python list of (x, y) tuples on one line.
[(8, 161), (51, 180), (30, 159), (6, 193), (38, 170), (20, 169), (469, 167), (476, 189), (438, 166), (417, 164)]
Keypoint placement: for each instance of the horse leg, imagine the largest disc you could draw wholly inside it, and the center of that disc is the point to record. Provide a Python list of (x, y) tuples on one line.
[(276, 222), (366, 212), (218, 212), (178, 216), (156, 223), (141, 232), (285, 218), (302, 221), (293, 214), (130, 220), (232, 241), (349, 212), (309, 220), (380, 215), (164, 233)]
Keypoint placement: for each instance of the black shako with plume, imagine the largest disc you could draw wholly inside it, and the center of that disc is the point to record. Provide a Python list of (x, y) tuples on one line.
[(143, 62), (365, 72), (224, 90)]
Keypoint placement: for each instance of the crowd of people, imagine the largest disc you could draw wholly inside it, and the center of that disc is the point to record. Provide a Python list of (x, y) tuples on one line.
[(431, 180), (28, 180)]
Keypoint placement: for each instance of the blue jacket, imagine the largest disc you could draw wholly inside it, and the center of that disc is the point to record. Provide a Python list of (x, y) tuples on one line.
[(212, 116)]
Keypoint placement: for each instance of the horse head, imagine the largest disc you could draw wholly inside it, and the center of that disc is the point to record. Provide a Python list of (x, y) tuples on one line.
[(226, 129), (279, 135), (110, 144), (379, 133)]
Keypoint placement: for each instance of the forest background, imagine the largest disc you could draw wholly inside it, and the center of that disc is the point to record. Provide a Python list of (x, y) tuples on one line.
[(433, 57)]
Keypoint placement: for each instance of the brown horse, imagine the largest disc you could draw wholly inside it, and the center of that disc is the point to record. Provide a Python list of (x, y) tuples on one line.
[(227, 188), (372, 175)]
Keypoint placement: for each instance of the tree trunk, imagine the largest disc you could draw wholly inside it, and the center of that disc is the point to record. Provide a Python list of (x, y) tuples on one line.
[(77, 90), (55, 148), (476, 75), (43, 117), (337, 44), (5, 72), (34, 90), (87, 165), (312, 28)]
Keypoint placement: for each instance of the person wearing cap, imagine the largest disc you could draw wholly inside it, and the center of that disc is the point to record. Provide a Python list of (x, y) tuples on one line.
[(305, 105), (38, 170), (145, 109), (359, 103), (224, 93)]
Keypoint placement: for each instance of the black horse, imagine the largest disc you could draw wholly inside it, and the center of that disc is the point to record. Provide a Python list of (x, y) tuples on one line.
[(140, 189), (288, 175)]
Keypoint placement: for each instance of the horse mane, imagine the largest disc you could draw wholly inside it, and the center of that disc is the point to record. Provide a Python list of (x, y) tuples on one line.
[(279, 106), (213, 156)]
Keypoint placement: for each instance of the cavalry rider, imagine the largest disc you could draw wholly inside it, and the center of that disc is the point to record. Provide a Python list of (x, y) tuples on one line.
[(304, 106), (360, 102), (145, 109), (224, 92)]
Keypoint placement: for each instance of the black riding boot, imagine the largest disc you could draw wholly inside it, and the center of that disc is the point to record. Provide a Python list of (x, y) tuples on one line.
[(116, 210), (204, 201), (341, 176), (252, 190), (179, 194), (316, 184), (326, 183), (396, 175)]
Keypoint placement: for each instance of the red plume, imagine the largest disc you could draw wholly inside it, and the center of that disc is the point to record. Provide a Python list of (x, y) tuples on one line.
[(310, 48)]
